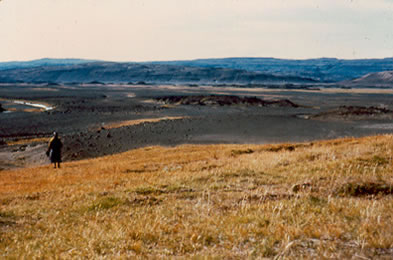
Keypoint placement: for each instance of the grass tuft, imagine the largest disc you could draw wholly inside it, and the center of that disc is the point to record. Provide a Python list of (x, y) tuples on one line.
[(105, 203), (240, 152), (147, 190)]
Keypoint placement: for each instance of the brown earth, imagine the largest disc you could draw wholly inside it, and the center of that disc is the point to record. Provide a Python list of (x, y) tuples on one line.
[(83, 115)]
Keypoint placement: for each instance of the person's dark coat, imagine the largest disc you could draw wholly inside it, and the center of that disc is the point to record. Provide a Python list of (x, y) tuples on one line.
[(54, 149)]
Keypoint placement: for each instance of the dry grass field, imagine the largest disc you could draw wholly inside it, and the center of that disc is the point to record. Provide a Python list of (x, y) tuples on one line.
[(140, 121), (327, 199), (29, 141)]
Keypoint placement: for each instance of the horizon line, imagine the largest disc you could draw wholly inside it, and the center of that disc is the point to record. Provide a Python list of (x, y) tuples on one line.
[(194, 59)]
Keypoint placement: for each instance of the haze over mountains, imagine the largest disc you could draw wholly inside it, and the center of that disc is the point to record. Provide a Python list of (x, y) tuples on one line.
[(110, 72), (322, 70), (40, 63), (241, 71)]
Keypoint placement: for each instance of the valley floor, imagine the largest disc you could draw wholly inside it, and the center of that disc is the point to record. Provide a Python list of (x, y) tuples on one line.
[(96, 120)]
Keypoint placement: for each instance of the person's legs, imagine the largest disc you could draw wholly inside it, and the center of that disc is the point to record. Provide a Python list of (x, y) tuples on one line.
[(58, 165), (54, 165)]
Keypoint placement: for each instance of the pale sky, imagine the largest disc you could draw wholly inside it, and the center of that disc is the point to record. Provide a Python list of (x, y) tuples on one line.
[(149, 30)]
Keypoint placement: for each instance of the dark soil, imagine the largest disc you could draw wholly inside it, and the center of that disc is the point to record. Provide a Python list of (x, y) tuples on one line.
[(224, 100), (235, 115), (354, 112), (365, 189)]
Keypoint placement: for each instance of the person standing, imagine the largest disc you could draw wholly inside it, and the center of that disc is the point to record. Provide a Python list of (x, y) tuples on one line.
[(54, 150)]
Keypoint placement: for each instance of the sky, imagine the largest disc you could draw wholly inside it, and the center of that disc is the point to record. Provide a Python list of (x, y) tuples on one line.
[(151, 30)]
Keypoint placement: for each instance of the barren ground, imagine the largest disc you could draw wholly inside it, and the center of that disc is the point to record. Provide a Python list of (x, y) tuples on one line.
[(101, 120)]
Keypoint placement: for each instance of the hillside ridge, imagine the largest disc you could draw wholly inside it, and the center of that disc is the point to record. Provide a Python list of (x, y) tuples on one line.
[(294, 200), (200, 71)]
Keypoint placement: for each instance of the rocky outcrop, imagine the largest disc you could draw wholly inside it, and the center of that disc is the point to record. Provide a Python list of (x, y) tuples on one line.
[(224, 100), (356, 112)]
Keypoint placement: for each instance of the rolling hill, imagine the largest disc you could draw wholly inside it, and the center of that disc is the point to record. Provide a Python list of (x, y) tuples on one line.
[(39, 63), (241, 71), (111, 72), (323, 69), (291, 201), (384, 78)]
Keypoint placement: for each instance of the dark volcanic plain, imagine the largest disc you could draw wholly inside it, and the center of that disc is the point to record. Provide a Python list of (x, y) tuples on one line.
[(96, 120)]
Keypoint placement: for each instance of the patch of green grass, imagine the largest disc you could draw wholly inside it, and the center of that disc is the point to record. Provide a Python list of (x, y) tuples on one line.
[(7, 214), (105, 203), (241, 173), (375, 160), (147, 190), (316, 200), (379, 160)]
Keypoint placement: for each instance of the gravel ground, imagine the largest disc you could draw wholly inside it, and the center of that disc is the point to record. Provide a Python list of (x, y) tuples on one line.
[(81, 115)]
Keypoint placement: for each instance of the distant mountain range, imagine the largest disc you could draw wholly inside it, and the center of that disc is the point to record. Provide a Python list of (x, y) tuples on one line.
[(242, 71), (137, 73), (322, 70), (40, 63)]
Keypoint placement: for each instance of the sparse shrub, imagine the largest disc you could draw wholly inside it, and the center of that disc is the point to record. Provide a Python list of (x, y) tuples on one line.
[(146, 190), (365, 189), (143, 201), (35, 196), (105, 203), (278, 148), (299, 187), (7, 214), (375, 160), (317, 201), (240, 152), (311, 157), (378, 160)]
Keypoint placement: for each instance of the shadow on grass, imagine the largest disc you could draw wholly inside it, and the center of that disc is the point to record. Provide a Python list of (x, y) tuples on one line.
[(364, 189)]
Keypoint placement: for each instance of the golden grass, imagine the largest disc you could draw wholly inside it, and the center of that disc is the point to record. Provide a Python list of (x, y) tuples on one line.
[(329, 199), (33, 110), (247, 91), (29, 141), (140, 121)]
